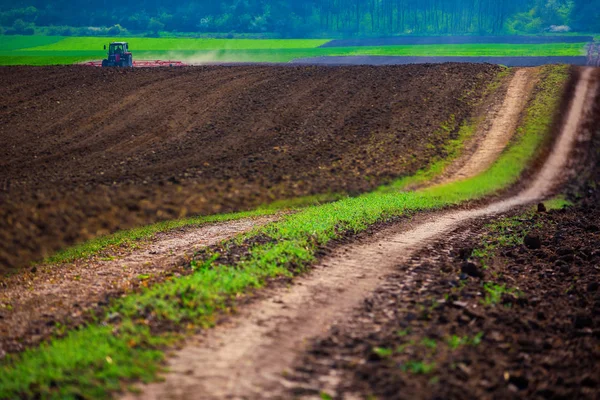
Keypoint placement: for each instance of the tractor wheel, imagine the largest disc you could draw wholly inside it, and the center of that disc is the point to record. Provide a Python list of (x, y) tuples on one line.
[(104, 63), (130, 61)]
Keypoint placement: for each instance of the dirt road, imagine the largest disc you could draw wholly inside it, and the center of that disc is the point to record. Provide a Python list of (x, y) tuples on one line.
[(503, 126), (495, 131), (248, 357), (64, 295)]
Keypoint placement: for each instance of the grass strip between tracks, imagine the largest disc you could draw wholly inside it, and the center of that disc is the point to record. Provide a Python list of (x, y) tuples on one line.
[(126, 343)]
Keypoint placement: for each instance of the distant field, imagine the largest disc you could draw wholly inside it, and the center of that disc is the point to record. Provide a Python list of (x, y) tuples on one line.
[(91, 43), (46, 50)]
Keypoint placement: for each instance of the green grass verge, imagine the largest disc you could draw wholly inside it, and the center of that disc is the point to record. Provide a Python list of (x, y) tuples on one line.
[(94, 360), (47, 50)]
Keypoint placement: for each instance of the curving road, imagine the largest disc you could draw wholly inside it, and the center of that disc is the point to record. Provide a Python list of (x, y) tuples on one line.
[(246, 357)]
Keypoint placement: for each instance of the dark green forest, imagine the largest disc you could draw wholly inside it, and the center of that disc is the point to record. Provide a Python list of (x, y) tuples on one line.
[(306, 18)]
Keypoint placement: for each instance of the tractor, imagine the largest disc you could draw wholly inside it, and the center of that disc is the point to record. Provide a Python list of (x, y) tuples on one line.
[(118, 55)]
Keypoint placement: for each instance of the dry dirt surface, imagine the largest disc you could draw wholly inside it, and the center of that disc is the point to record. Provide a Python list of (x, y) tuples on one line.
[(65, 296), (88, 151), (495, 131), (252, 357)]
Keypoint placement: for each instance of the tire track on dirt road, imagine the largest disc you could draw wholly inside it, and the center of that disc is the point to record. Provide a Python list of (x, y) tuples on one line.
[(502, 127), (246, 358), (63, 294)]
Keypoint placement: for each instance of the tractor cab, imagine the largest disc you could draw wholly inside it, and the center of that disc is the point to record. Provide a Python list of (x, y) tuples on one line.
[(118, 55), (117, 48)]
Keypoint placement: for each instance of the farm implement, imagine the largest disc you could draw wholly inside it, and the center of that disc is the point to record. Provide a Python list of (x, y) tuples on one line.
[(142, 63)]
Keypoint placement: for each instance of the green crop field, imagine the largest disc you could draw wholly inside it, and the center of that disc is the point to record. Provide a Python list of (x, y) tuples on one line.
[(49, 50), (174, 44)]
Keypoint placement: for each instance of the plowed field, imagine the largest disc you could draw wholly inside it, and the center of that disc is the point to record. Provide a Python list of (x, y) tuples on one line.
[(86, 151)]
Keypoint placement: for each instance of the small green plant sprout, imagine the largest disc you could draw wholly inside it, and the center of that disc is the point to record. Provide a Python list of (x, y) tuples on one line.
[(383, 352), (429, 343), (325, 396), (434, 380), (494, 293), (403, 332), (454, 341), (476, 341), (418, 367), (400, 348)]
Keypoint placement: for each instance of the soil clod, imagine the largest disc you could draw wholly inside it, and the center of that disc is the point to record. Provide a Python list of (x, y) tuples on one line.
[(472, 269), (532, 242)]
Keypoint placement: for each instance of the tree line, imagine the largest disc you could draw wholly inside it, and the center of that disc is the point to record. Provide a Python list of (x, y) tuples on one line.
[(307, 18)]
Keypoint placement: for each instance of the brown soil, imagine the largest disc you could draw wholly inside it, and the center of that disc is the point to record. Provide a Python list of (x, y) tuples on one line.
[(246, 358), (89, 151)]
